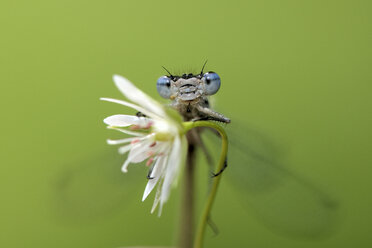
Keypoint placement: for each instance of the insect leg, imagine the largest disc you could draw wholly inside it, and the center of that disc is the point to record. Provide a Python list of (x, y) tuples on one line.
[(212, 115), (150, 171), (219, 173), (213, 225), (140, 114), (199, 141)]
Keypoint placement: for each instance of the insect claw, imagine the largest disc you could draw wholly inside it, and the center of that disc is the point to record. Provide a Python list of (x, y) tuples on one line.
[(219, 173), (149, 174), (213, 226), (140, 114)]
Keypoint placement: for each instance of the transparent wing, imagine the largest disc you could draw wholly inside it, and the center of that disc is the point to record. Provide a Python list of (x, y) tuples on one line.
[(94, 187), (286, 202)]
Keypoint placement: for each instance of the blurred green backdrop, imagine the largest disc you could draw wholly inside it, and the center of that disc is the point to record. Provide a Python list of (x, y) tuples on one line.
[(298, 71)]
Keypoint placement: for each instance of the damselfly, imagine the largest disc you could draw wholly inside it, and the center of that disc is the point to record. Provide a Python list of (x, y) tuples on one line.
[(286, 202)]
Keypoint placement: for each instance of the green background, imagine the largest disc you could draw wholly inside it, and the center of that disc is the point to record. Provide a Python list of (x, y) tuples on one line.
[(297, 71)]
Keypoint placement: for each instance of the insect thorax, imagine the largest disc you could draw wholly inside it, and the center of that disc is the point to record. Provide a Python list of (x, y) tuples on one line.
[(190, 110)]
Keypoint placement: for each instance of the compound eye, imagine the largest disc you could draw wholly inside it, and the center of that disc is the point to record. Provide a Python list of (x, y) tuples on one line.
[(212, 82), (163, 85)]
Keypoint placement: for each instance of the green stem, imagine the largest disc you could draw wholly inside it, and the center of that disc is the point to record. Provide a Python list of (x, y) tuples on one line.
[(186, 234), (198, 243)]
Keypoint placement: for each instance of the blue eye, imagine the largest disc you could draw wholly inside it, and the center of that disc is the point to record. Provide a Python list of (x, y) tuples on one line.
[(163, 85), (212, 82)]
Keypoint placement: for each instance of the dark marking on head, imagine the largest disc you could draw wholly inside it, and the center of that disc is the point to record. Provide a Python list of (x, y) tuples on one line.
[(187, 76), (188, 108), (186, 85)]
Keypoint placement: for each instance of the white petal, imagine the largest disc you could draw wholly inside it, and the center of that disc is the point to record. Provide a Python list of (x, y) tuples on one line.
[(130, 105), (182, 157), (149, 150), (155, 174), (160, 184), (124, 149), (165, 126), (137, 96), (120, 141), (122, 120), (137, 153), (127, 131), (124, 168), (172, 169), (160, 210), (141, 151), (157, 199)]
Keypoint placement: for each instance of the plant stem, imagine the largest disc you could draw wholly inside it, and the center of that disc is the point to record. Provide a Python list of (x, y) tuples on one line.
[(208, 207), (187, 205)]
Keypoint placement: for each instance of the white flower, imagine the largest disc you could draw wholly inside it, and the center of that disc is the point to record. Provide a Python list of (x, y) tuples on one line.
[(157, 137)]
